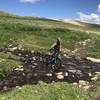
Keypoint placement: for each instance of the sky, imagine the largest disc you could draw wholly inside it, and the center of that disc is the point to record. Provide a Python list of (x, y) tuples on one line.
[(83, 10)]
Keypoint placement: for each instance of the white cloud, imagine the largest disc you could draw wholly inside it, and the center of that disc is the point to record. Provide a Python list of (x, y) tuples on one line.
[(92, 18), (99, 7), (29, 1)]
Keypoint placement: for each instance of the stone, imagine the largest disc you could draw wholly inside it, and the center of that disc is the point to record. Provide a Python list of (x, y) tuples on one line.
[(33, 58), (20, 66), (32, 51), (83, 83), (66, 74), (93, 59), (19, 69), (33, 66), (65, 55), (90, 74), (19, 54), (94, 78), (97, 73), (86, 87), (59, 73), (60, 76), (5, 88), (35, 74), (72, 71), (12, 49), (80, 85), (75, 83), (49, 74)]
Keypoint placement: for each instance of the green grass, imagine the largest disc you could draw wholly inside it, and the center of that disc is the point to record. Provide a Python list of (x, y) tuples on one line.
[(43, 91), (39, 34), (36, 33), (7, 62)]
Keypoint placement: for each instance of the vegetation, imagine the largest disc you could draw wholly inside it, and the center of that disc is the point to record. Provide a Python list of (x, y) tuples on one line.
[(39, 34), (43, 91)]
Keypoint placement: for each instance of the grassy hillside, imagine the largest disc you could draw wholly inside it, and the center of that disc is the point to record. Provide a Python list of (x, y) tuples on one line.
[(39, 34)]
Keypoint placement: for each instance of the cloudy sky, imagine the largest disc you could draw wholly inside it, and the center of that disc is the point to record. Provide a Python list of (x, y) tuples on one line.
[(84, 10)]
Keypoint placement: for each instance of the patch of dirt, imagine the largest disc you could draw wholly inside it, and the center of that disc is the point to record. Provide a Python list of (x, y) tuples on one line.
[(35, 68)]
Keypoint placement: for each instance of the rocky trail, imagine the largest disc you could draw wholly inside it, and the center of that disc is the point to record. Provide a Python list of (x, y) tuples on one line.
[(34, 68)]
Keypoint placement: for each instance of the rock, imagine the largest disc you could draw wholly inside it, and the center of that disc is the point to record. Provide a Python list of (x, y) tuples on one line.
[(12, 49), (33, 58), (35, 74), (20, 66), (18, 87), (22, 49), (26, 55), (19, 54), (75, 83), (19, 69), (80, 86), (94, 78), (97, 73), (86, 87), (60, 76), (32, 51), (93, 59), (65, 55), (90, 74), (59, 73), (5, 88), (33, 66), (72, 71), (49, 74), (66, 74), (83, 83), (78, 72)]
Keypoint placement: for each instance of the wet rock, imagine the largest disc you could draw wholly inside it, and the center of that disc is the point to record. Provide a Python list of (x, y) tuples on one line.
[(33, 66), (19, 69), (35, 74), (72, 71), (49, 74), (59, 73), (60, 77), (33, 58)]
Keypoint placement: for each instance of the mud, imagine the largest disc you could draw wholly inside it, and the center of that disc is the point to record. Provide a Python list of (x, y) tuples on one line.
[(35, 68)]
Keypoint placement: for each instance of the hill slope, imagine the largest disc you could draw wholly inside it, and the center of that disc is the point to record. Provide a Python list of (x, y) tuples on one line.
[(39, 34)]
